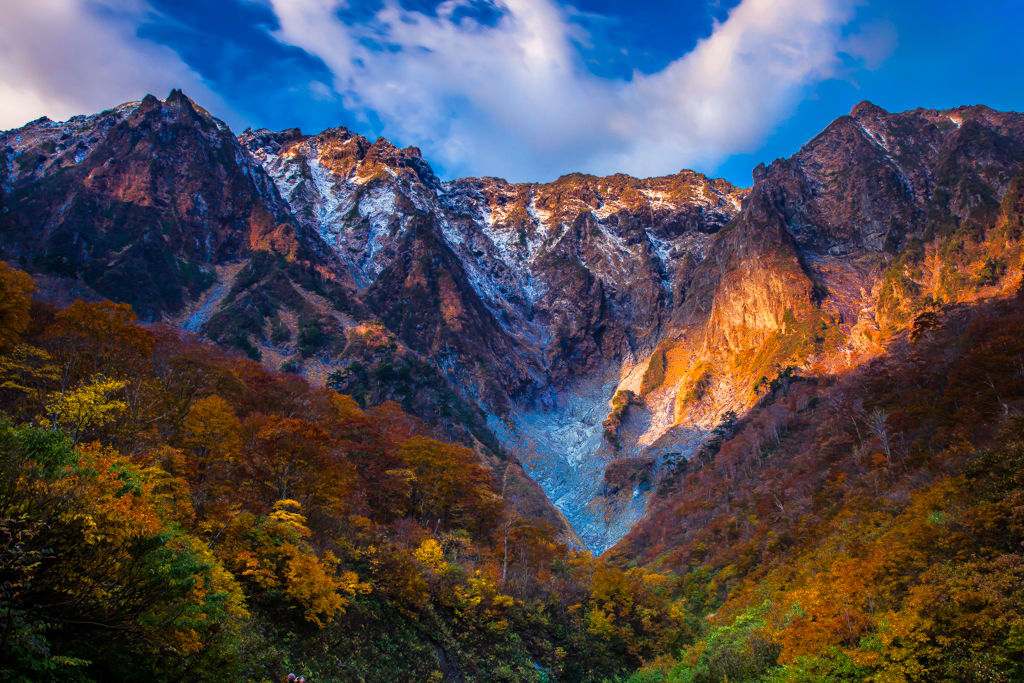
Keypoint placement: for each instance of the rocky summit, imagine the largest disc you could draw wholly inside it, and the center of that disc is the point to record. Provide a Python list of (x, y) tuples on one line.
[(589, 335)]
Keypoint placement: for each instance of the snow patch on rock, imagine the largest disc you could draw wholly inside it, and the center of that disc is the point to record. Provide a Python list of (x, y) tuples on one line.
[(562, 450)]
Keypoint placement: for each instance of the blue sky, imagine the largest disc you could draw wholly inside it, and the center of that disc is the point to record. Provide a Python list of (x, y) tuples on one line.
[(525, 89)]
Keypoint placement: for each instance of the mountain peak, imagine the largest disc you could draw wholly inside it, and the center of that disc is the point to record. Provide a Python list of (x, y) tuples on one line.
[(178, 101), (866, 109)]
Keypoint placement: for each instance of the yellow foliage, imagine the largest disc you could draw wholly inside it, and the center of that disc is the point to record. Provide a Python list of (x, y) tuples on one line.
[(600, 623), (88, 406), (217, 581), (282, 558), (26, 368), (116, 505), (351, 584), (213, 429), (287, 518), (248, 564), (169, 493), (430, 555), (655, 580), (677, 611), (504, 601), (311, 582)]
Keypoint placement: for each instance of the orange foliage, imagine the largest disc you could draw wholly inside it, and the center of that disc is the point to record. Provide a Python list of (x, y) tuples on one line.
[(15, 300)]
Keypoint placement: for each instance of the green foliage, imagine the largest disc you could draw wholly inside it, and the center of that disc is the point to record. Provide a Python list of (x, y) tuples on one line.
[(311, 337), (740, 651), (654, 375), (833, 666), (88, 559)]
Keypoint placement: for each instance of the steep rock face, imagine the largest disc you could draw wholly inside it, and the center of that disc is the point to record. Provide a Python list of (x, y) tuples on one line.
[(588, 262), (517, 292), (377, 206), (659, 287), (872, 178), (576, 273), (759, 280), (347, 189), (424, 296), (871, 228)]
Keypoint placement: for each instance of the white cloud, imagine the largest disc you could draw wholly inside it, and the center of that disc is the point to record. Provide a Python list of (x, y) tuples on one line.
[(64, 57), (510, 98), (513, 99)]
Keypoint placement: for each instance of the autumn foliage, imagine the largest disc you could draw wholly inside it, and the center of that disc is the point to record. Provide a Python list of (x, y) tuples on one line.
[(866, 526), (169, 512)]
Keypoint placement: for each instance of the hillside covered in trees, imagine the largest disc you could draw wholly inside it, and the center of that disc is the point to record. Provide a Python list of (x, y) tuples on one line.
[(868, 526), (169, 512)]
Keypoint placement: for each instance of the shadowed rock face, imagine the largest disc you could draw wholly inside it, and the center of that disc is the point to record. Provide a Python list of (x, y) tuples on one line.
[(537, 304), (573, 273), (140, 202)]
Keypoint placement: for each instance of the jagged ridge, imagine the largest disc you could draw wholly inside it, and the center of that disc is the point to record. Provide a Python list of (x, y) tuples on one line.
[(538, 303)]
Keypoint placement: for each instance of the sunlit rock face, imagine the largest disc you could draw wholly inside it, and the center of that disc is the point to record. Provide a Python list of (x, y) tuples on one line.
[(598, 327)]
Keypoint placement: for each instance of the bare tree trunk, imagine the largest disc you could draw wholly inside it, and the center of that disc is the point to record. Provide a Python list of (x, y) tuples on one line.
[(876, 422), (508, 528)]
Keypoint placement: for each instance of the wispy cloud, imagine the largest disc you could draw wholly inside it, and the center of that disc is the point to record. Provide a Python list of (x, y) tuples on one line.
[(66, 57), (511, 96)]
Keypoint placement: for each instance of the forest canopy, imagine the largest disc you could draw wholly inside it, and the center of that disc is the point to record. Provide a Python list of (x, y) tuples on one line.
[(170, 511)]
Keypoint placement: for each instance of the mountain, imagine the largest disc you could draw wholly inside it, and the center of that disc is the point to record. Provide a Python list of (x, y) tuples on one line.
[(517, 291), (861, 519), (156, 203), (597, 330)]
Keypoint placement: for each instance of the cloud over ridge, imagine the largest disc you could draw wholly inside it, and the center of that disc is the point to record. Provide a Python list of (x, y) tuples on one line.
[(483, 87), (512, 96)]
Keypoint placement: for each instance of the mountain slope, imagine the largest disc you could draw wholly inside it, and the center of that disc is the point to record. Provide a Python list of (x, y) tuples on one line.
[(549, 283), (157, 204), (596, 328)]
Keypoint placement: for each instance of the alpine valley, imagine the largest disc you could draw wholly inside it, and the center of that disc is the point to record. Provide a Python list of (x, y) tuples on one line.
[(787, 417)]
